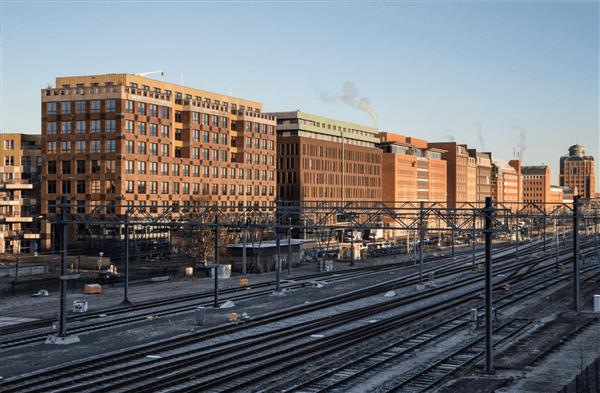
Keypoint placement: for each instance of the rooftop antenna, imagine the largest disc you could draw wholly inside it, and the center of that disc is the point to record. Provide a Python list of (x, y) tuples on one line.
[(162, 73), (181, 79)]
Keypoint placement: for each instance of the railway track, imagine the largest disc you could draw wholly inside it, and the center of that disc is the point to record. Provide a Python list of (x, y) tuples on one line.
[(173, 365), (292, 283), (335, 376), (235, 380), (430, 376), (154, 309)]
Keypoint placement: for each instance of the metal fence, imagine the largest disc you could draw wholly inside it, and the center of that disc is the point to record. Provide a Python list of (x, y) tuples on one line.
[(586, 382)]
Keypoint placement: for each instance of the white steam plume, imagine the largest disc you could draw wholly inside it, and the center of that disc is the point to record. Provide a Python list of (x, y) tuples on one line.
[(349, 96)]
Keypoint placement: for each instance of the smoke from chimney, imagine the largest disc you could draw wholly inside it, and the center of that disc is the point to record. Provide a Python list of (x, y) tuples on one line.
[(349, 96), (480, 136), (522, 144)]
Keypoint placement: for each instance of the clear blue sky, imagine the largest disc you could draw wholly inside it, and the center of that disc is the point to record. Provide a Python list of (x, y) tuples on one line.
[(434, 70)]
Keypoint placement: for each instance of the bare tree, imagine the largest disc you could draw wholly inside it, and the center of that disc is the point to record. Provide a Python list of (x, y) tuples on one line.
[(196, 239)]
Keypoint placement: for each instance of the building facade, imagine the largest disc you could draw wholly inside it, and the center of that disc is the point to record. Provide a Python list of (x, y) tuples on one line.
[(538, 188), (460, 185), (411, 171), (122, 139), (507, 183), (322, 159), (483, 162), (577, 172), (471, 179), (20, 164)]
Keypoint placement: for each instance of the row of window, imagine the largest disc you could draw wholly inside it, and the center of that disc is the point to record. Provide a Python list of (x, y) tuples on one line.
[(152, 187), (95, 146), (152, 207), (152, 168), (81, 186), (81, 126), (259, 127), (206, 119), (108, 106), (81, 167), (110, 146), (94, 106)]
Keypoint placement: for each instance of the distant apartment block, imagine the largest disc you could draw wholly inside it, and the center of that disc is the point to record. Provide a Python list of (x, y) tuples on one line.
[(461, 172), (507, 183), (326, 160), (123, 139), (20, 162), (411, 170), (577, 172), (483, 184), (538, 189)]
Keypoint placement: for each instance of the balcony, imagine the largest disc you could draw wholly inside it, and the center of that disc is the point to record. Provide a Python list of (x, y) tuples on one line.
[(15, 184), (15, 219), (76, 92)]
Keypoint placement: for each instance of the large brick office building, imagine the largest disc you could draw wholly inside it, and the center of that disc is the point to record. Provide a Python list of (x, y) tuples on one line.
[(411, 171), (507, 183), (483, 183), (537, 187), (461, 172), (326, 160), (124, 139)]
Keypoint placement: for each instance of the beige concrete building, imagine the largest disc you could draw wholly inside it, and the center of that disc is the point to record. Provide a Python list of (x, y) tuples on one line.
[(20, 162)]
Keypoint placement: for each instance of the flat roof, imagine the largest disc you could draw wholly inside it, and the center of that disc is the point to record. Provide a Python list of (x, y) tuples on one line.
[(364, 133)]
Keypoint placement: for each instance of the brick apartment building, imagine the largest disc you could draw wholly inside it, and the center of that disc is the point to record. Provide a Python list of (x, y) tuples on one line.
[(483, 184), (322, 159), (411, 170), (123, 139), (537, 187), (461, 172), (20, 162), (507, 183), (471, 177), (577, 172)]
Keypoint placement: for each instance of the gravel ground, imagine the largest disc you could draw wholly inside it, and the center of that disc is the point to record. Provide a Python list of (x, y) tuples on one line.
[(47, 307), (31, 358), (568, 355)]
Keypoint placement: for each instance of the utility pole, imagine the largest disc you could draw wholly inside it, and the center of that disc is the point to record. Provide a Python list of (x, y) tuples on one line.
[(216, 266), (278, 246), (473, 236), (421, 240), (244, 237), (596, 233), (489, 349), (278, 262), (557, 242), (517, 234), (544, 231), (452, 217), (289, 256), (576, 287), (62, 227), (126, 301)]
